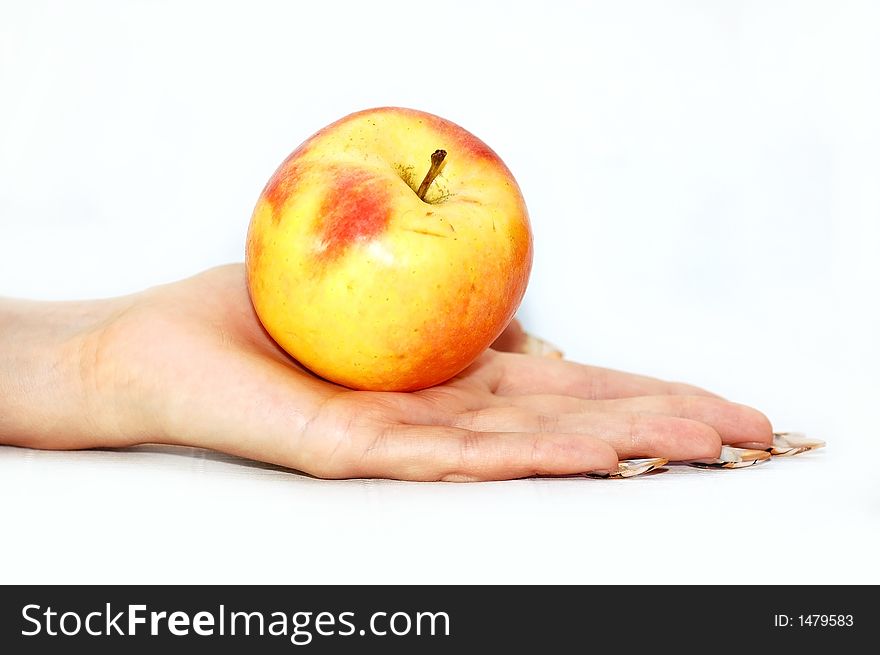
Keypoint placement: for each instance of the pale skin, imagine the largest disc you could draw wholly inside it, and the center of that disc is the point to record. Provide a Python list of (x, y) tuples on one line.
[(189, 363)]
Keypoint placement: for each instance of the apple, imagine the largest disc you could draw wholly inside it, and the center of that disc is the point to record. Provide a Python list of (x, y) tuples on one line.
[(389, 250)]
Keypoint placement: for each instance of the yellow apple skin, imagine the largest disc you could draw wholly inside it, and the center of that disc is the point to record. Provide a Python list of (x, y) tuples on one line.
[(366, 284)]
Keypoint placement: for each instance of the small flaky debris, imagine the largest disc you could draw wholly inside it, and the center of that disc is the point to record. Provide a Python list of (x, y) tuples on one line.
[(629, 468), (732, 458), (786, 444)]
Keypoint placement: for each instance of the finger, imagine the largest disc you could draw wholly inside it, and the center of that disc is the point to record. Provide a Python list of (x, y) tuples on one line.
[(734, 422), (530, 375), (418, 452), (547, 403), (630, 434)]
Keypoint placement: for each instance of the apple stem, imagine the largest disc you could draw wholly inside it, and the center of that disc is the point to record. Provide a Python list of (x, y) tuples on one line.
[(437, 159)]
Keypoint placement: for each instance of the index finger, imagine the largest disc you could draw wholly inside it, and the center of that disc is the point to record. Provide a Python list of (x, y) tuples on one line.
[(525, 374)]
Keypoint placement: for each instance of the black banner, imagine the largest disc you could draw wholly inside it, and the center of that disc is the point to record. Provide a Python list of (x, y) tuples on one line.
[(427, 619)]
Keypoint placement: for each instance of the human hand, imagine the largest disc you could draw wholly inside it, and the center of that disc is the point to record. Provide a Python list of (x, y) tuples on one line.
[(189, 363)]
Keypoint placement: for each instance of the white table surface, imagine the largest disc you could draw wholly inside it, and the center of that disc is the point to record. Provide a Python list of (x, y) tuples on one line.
[(702, 181), (158, 514)]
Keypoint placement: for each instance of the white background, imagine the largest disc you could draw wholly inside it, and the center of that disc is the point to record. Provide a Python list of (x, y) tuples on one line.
[(704, 184)]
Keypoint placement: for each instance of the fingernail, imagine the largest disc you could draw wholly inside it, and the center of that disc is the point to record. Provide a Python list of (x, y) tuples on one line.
[(732, 458)]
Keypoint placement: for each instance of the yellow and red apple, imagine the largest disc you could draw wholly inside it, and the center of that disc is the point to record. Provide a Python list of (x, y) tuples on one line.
[(389, 250)]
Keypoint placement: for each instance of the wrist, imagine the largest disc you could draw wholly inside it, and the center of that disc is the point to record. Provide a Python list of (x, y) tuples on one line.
[(57, 382)]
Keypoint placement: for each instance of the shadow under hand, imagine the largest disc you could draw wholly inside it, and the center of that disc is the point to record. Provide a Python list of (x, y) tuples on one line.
[(203, 455)]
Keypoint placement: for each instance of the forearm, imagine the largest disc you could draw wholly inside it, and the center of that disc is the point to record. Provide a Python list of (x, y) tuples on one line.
[(51, 391)]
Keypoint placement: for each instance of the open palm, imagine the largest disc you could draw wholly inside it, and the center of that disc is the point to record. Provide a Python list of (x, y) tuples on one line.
[(189, 363)]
